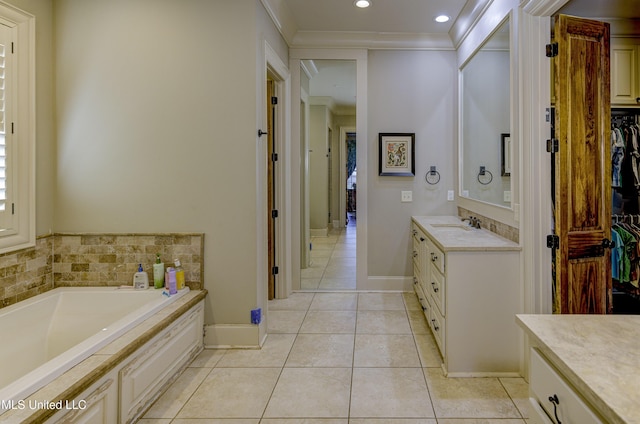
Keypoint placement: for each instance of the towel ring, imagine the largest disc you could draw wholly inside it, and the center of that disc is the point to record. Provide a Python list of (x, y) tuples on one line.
[(432, 171), (483, 172)]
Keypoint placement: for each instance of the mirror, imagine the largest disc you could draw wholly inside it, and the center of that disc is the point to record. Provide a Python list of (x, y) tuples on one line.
[(486, 147)]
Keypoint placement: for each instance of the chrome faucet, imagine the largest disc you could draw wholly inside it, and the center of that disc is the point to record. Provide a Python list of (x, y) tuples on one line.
[(473, 222)]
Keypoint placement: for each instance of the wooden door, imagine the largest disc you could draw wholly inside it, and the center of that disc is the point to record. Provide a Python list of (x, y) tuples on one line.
[(582, 166)]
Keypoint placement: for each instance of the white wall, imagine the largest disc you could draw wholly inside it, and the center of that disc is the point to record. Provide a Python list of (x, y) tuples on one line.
[(157, 120), (412, 92)]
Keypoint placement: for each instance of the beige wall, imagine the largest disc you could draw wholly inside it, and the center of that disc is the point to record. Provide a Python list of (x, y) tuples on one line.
[(157, 118), (319, 124), (395, 78)]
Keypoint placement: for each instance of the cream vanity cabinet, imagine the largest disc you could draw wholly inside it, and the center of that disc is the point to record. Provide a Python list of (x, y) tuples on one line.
[(467, 281), (625, 72), (582, 368)]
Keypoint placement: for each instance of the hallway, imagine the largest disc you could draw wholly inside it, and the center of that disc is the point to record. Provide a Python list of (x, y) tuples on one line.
[(333, 260), (338, 358)]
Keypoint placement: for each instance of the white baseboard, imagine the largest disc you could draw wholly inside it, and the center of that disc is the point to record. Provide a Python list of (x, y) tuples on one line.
[(228, 336), (404, 284)]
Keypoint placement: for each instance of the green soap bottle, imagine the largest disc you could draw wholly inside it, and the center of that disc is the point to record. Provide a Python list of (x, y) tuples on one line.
[(158, 273)]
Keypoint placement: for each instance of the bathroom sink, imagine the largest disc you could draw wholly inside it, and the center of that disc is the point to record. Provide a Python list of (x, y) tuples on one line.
[(461, 227)]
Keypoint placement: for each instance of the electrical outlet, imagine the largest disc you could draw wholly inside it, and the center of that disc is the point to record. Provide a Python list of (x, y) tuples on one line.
[(407, 196), (450, 195), (506, 196), (465, 193)]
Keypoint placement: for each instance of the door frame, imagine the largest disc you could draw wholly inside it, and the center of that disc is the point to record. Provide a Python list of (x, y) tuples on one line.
[(296, 55), (279, 73), (343, 173)]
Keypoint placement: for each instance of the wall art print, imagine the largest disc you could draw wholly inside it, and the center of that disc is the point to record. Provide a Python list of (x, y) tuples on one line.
[(396, 156)]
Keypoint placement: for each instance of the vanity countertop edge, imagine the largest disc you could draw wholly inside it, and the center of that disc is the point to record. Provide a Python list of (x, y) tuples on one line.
[(598, 354), (464, 240)]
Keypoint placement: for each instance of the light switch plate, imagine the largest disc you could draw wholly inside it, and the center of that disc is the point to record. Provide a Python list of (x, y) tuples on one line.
[(450, 195), (507, 196), (407, 196)]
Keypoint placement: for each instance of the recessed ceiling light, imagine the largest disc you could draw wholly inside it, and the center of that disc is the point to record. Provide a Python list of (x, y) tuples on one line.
[(362, 3), (442, 18)]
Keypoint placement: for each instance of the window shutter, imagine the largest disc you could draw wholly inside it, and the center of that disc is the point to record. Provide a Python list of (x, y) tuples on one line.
[(3, 167)]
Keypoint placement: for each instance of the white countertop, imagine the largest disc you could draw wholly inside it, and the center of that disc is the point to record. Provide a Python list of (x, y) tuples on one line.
[(598, 354), (451, 234)]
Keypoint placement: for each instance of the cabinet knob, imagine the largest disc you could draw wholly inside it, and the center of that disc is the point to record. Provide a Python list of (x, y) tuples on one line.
[(436, 328), (415, 280), (415, 254), (637, 99), (421, 238), (435, 289), (434, 257), (415, 233)]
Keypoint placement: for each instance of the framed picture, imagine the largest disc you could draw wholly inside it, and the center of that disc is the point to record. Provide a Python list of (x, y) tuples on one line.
[(396, 156), (505, 143)]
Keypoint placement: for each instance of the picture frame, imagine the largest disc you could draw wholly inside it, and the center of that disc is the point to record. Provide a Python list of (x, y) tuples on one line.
[(396, 156), (505, 153)]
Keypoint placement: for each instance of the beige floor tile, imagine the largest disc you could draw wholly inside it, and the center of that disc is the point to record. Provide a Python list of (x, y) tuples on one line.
[(309, 283), (321, 253), (341, 262), (383, 322), (208, 358), (273, 353), (311, 393), (479, 421), (428, 351), (411, 301), (518, 390), (380, 302), (295, 302), (385, 350), (334, 302), (418, 322), (232, 393), (172, 400), (285, 321), (339, 271), (322, 350), (339, 322), (344, 252), (392, 421), (154, 421), (337, 284), (215, 421), (311, 272), (390, 392), (468, 397), (304, 421)]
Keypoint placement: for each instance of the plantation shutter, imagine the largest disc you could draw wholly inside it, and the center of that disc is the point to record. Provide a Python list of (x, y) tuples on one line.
[(3, 148)]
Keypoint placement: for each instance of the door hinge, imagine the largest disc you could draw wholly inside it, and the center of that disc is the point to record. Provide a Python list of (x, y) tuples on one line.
[(12, 128), (274, 157), (552, 50), (12, 48), (274, 100), (274, 270), (553, 241), (13, 209), (552, 145), (274, 213)]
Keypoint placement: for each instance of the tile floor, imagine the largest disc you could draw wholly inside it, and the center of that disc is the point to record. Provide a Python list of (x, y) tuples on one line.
[(337, 357), (333, 261)]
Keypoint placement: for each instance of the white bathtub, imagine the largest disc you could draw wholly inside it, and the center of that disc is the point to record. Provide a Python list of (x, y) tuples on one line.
[(44, 336)]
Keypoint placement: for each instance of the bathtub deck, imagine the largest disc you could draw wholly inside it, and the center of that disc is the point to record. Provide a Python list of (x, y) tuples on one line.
[(73, 382)]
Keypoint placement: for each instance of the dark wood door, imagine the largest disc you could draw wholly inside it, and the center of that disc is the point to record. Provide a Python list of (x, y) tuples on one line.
[(582, 166)]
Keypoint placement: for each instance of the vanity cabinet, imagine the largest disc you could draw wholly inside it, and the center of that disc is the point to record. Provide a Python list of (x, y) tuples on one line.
[(467, 281), (625, 72), (552, 398)]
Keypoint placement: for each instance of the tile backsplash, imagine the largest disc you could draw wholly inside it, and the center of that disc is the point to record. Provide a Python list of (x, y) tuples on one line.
[(61, 260), (503, 230)]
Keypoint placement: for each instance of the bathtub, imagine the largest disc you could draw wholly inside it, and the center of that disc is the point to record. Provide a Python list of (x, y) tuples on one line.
[(44, 336)]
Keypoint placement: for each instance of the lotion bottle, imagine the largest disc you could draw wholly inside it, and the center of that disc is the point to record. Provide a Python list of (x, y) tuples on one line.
[(158, 273), (179, 275), (140, 279), (170, 280)]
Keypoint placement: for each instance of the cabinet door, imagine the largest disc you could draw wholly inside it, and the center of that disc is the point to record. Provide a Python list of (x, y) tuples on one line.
[(582, 167), (624, 74)]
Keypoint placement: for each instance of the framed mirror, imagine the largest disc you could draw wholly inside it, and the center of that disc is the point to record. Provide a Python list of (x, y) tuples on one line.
[(485, 118)]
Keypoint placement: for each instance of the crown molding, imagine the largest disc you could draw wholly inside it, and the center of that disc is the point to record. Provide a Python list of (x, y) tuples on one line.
[(371, 40)]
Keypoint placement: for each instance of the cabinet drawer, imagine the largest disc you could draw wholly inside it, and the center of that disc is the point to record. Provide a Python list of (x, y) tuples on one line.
[(437, 289), (437, 324), (422, 298), (436, 256), (547, 384)]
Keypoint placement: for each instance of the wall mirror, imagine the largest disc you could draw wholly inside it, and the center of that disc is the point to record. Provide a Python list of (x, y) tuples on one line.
[(485, 148)]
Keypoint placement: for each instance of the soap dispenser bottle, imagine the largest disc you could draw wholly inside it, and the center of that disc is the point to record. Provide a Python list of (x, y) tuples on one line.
[(158, 273), (179, 275), (140, 279)]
